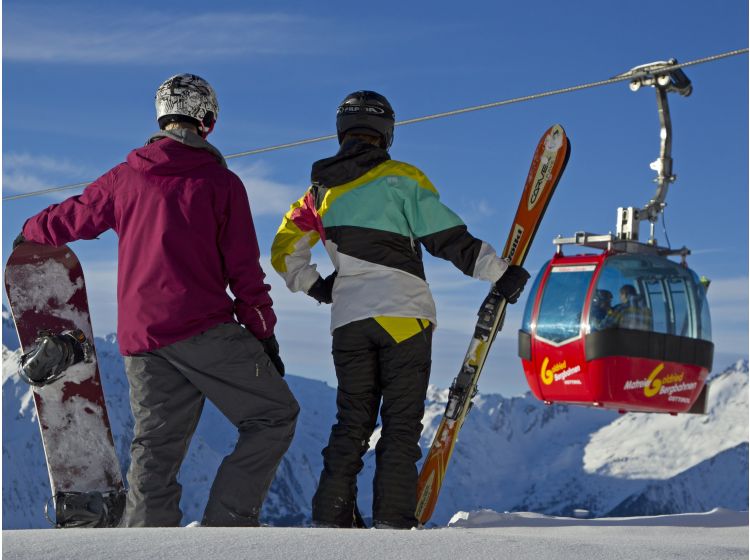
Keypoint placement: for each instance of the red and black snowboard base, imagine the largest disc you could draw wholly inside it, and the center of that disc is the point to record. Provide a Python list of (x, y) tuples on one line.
[(47, 293)]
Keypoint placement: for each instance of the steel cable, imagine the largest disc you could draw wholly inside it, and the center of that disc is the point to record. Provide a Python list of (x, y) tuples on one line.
[(619, 78)]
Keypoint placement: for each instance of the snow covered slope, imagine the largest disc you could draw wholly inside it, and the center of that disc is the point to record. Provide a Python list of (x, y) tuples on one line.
[(514, 454), (660, 446), (694, 489), (477, 535)]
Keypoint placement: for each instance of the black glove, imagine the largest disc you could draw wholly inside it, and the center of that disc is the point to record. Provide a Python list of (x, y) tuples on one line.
[(271, 347), (512, 282), (322, 289), (18, 240)]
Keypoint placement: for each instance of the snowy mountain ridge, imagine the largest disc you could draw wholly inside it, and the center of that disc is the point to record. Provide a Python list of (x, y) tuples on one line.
[(514, 454)]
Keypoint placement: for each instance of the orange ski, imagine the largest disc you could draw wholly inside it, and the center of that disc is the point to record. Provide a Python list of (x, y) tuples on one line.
[(547, 166)]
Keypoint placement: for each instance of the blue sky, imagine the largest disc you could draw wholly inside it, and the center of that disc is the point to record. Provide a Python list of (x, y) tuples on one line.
[(79, 80)]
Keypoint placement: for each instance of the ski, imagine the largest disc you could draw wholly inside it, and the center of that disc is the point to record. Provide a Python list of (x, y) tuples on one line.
[(547, 166)]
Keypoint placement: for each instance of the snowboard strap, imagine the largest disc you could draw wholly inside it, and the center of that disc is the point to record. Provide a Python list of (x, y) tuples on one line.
[(52, 354), (79, 510)]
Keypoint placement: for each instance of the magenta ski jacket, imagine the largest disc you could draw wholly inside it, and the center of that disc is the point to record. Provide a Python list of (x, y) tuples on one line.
[(185, 234)]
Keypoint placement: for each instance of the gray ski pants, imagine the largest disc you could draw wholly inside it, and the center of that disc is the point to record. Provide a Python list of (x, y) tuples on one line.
[(168, 387)]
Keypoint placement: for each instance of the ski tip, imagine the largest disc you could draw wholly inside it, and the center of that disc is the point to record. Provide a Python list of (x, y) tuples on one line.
[(556, 127), (556, 140), (555, 137)]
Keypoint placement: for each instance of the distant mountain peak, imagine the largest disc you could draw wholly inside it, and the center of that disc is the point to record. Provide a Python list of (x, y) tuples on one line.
[(514, 454), (740, 366)]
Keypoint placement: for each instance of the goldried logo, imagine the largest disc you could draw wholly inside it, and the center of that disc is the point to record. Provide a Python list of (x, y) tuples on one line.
[(667, 385), (654, 384), (559, 372), (515, 240)]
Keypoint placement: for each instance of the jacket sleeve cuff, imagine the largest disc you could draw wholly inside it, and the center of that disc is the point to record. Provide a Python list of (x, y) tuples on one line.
[(488, 265), (259, 321)]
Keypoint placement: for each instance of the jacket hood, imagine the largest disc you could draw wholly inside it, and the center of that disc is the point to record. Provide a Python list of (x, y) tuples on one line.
[(169, 152), (353, 160)]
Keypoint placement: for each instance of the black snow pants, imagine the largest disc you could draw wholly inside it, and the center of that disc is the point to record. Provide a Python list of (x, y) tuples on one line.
[(168, 387), (371, 365)]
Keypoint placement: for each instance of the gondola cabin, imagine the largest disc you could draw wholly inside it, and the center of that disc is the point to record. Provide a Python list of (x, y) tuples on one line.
[(626, 329)]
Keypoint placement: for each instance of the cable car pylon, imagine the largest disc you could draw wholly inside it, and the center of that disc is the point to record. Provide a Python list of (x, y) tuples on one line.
[(625, 328)]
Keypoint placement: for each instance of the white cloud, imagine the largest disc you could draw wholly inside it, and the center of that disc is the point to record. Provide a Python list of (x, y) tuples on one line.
[(24, 172), (149, 37), (708, 251), (480, 208), (267, 197), (42, 163), (730, 295), (728, 302), (101, 287)]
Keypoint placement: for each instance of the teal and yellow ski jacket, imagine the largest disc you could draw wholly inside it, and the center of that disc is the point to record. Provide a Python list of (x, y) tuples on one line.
[(374, 215)]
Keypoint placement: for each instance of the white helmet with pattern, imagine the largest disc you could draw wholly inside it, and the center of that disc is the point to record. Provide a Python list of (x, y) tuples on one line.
[(187, 98)]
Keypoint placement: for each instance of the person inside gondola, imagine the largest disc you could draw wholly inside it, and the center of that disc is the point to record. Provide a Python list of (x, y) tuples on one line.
[(631, 312), (602, 314)]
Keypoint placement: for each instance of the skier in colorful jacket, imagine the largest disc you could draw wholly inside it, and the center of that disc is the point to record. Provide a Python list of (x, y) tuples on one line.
[(186, 234), (374, 215)]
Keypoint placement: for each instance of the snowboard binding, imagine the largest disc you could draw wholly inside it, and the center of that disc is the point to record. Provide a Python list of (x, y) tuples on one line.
[(52, 354), (81, 510)]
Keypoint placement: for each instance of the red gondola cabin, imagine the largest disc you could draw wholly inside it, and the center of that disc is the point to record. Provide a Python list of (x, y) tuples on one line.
[(626, 329)]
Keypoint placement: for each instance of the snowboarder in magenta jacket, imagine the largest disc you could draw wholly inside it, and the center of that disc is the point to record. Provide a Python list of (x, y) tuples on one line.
[(186, 234)]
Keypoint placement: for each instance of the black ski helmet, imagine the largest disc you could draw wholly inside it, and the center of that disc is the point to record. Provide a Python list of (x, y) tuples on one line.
[(369, 111)]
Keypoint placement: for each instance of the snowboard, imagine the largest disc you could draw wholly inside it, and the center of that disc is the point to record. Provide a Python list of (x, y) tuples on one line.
[(47, 293), (547, 166)]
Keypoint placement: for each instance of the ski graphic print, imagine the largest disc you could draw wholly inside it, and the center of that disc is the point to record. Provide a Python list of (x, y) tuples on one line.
[(547, 166)]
